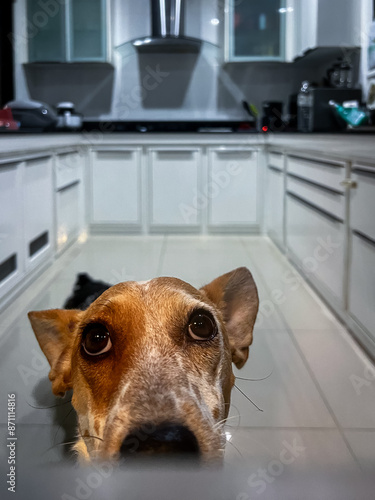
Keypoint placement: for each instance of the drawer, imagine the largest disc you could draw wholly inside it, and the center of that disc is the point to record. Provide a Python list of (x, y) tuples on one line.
[(316, 242), (67, 169), (67, 221), (362, 200), (329, 201), (362, 283), (322, 173), (276, 160)]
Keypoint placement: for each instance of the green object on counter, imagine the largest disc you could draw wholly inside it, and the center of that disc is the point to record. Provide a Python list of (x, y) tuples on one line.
[(352, 116)]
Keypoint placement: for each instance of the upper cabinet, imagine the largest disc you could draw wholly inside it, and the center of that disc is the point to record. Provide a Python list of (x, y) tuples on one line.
[(255, 30), (281, 30), (322, 23), (70, 31)]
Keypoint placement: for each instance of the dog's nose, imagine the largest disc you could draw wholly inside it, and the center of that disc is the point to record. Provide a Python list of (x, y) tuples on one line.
[(163, 439)]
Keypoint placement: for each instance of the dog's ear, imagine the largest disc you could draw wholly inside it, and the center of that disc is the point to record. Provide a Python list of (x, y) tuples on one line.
[(54, 330), (236, 295)]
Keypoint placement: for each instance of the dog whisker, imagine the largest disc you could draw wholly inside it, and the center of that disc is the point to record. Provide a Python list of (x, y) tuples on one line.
[(66, 416), (48, 407), (224, 420), (255, 379), (247, 397), (235, 447)]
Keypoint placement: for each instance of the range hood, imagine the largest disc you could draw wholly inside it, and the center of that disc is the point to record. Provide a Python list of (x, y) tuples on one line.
[(167, 22)]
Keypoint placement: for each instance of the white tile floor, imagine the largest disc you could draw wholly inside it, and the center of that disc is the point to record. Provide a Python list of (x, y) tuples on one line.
[(308, 398)]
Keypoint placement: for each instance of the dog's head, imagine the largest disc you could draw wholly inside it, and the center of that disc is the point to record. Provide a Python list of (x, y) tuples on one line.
[(150, 363)]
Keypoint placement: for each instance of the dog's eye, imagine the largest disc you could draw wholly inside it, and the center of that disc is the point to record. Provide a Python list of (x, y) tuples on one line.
[(96, 340), (201, 326)]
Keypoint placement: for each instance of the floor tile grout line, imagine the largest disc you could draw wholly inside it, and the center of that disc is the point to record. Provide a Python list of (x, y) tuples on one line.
[(307, 365)]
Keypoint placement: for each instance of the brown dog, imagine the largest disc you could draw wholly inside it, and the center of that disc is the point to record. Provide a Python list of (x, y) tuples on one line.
[(150, 363)]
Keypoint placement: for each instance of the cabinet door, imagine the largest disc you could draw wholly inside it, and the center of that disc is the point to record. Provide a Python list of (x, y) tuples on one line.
[(275, 205), (174, 186), (46, 31), (362, 283), (68, 169), (316, 242), (232, 188), (67, 215), (11, 248), (115, 187), (256, 30), (87, 23), (38, 210), (362, 201)]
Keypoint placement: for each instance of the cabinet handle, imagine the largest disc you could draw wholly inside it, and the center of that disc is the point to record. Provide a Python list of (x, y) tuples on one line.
[(364, 237), (313, 207), (349, 184)]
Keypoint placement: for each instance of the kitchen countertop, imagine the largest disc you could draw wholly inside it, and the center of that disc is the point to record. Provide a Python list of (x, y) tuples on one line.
[(352, 147)]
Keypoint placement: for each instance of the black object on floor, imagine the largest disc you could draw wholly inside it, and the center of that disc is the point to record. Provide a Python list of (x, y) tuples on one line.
[(85, 291)]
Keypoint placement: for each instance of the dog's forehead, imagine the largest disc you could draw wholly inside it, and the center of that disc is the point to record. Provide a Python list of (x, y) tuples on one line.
[(155, 293)]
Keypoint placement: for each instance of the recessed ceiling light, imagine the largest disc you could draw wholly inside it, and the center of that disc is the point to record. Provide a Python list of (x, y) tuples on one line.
[(215, 21)]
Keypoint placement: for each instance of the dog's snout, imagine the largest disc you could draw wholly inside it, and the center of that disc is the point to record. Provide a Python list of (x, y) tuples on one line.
[(163, 439)]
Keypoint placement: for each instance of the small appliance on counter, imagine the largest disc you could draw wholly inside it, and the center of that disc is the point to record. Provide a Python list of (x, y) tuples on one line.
[(67, 117), (33, 115), (272, 119), (314, 113)]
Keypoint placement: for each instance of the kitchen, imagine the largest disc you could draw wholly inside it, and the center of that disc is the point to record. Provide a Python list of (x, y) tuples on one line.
[(189, 156)]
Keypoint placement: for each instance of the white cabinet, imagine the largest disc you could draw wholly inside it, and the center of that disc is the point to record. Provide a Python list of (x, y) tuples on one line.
[(11, 227), (174, 185), (362, 283), (255, 31), (315, 227), (326, 23), (67, 31), (38, 210), (116, 188), (316, 243), (232, 188), (69, 203), (362, 200), (361, 300), (274, 201)]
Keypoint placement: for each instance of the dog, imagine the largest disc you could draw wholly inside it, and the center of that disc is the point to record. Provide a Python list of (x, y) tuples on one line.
[(150, 363)]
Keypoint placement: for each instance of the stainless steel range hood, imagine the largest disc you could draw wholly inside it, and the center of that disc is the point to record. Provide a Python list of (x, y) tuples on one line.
[(167, 22)]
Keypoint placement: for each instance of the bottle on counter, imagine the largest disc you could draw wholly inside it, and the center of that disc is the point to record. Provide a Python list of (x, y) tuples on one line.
[(304, 108)]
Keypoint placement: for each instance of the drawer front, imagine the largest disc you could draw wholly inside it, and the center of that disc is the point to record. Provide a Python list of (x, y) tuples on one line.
[(67, 169), (276, 160), (275, 205), (316, 242), (326, 174), (363, 203), (67, 208), (328, 201), (362, 283)]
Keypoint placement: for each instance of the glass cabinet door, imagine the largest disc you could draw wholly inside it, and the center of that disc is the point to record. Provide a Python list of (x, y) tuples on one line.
[(255, 30), (46, 32), (87, 30)]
